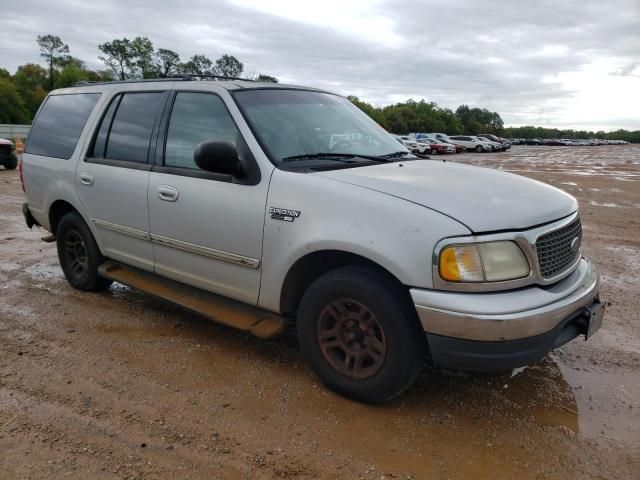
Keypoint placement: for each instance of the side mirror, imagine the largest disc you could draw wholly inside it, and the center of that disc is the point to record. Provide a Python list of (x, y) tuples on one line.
[(217, 157)]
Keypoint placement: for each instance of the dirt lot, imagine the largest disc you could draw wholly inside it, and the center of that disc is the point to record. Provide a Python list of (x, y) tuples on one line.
[(121, 385)]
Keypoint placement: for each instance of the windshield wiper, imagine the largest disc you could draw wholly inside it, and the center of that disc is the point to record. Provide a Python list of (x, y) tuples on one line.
[(395, 154), (339, 157)]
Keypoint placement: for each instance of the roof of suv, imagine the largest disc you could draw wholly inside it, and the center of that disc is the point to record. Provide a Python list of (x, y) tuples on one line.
[(228, 84)]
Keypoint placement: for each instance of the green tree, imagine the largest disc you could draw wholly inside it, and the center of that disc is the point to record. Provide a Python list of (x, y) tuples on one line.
[(70, 75), (143, 53), (12, 109), (370, 110), (167, 62), (198, 65), (229, 66), (31, 80), (265, 78), (118, 55), (53, 50)]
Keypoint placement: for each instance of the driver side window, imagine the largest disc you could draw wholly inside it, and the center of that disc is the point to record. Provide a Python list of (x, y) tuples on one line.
[(196, 117)]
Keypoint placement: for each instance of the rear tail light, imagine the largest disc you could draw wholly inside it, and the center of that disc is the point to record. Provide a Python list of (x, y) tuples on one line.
[(21, 177)]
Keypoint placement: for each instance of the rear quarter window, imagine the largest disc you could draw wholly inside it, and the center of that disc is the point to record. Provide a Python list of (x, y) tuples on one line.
[(58, 125)]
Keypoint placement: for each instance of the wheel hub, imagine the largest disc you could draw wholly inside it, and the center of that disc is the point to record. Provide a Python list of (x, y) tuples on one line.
[(76, 252), (351, 338)]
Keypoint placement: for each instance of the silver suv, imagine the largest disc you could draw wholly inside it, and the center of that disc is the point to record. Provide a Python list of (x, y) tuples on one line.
[(235, 200)]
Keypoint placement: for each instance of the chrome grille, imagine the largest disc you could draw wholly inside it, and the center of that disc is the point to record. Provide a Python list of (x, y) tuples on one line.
[(554, 250)]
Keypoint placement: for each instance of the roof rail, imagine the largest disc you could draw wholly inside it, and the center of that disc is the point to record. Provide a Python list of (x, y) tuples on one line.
[(195, 76), (84, 83), (174, 78)]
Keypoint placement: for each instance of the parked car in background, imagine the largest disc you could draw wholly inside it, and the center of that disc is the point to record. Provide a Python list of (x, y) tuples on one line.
[(414, 146), (458, 148), (442, 137), (472, 143), (502, 141), (8, 156), (497, 147), (439, 146)]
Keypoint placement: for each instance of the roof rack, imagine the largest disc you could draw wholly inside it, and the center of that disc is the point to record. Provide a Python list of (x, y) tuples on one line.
[(185, 77), (194, 76)]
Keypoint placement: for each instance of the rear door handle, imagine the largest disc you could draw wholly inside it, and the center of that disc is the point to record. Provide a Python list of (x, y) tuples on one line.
[(86, 178), (167, 193)]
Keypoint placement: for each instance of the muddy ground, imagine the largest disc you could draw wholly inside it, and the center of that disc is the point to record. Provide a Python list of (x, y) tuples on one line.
[(121, 385)]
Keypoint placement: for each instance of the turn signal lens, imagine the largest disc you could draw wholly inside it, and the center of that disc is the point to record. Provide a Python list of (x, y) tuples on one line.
[(461, 263)]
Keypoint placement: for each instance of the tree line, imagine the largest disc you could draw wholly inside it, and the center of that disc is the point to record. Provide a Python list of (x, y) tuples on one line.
[(541, 132), (412, 116), (422, 116), (22, 93)]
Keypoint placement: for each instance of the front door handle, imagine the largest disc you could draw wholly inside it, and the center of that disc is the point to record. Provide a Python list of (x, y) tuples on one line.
[(86, 178), (167, 193)]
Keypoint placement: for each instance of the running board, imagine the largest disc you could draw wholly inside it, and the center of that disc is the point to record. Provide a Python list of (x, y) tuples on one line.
[(220, 309)]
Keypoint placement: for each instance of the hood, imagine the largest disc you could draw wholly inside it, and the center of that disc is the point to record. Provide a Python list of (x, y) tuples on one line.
[(4, 141), (482, 199)]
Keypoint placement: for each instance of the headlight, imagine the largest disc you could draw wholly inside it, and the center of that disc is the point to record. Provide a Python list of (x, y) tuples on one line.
[(483, 262)]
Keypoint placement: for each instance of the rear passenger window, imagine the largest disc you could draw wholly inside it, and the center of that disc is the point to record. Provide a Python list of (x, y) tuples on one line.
[(100, 144), (59, 123), (196, 117), (132, 126)]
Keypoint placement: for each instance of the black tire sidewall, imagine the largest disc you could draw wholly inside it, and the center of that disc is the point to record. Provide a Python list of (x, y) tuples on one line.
[(406, 343), (12, 163), (90, 280)]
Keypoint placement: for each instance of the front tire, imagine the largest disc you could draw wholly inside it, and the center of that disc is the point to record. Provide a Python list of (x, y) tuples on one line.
[(359, 333), (79, 254), (479, 149)]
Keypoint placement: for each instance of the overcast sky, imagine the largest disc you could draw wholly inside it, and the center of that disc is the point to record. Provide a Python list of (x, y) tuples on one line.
[(562, 63)]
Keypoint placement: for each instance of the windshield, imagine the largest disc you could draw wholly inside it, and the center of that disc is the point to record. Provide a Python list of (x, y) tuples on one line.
[(299, 124)]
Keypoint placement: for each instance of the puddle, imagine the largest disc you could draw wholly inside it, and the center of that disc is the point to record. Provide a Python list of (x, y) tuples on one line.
[(608, 404), (9, 266), (46, 271), (604, 204)]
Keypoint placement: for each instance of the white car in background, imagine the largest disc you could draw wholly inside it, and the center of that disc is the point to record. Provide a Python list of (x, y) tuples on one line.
[(472, 143), (413, 145), (439, 136)]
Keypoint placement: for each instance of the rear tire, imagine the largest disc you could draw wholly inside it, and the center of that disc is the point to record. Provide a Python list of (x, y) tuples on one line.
[(479, 149), (12, 163), (359, 333), (79, 254)]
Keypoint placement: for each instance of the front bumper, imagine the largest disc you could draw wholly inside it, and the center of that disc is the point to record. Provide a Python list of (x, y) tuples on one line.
[(496, 331)]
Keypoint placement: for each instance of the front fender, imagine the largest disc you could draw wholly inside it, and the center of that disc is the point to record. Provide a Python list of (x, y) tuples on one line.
[(396, 234)]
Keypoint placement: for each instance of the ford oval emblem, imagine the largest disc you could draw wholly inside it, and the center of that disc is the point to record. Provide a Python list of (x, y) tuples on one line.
[(575, 245)]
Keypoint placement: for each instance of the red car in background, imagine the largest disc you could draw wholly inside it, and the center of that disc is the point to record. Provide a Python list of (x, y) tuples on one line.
[(439, 146)]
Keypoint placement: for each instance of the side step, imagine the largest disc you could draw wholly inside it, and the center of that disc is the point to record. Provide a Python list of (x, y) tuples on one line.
[(223, 310)]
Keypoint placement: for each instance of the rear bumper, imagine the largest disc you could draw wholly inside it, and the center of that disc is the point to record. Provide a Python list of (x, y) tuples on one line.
[(503, 330)]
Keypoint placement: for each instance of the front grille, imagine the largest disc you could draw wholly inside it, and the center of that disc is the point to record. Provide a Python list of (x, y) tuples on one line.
[(554, 250)]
